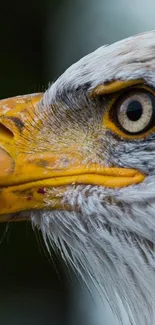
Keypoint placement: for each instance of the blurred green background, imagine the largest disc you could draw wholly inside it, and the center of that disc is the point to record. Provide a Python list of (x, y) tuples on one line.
[(38, 41)]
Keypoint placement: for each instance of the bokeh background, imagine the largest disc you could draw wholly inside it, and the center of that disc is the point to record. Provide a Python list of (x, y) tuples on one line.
[(38, 41)]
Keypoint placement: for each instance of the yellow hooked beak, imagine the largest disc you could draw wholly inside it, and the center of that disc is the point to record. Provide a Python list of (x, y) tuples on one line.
[(26, 176)]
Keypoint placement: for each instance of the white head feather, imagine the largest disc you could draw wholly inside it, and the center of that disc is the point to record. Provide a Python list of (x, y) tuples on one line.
[(111, 240)]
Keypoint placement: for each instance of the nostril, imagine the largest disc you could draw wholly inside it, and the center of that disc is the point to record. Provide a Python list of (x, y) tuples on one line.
[(5, 131)]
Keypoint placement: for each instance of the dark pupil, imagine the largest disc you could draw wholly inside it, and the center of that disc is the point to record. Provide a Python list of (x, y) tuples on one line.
[(134, 110)]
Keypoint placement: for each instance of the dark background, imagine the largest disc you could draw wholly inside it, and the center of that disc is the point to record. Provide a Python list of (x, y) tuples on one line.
[(38, 41)]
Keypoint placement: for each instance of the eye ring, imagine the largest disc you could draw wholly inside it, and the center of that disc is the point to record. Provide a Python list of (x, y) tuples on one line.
[(134, 112)]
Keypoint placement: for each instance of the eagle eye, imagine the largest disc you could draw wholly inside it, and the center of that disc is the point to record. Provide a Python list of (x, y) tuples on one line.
[(135, 112)]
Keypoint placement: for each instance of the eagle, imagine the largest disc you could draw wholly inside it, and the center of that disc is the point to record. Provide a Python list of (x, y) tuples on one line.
[(78, 162)]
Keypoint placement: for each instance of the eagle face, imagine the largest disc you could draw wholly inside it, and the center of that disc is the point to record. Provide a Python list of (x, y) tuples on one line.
[(79, 162)]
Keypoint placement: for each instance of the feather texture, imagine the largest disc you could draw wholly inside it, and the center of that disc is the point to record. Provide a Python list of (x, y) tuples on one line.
[(110, 240)]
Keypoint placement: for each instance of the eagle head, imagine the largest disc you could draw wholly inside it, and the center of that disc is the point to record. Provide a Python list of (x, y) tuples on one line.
[(78, 161)]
